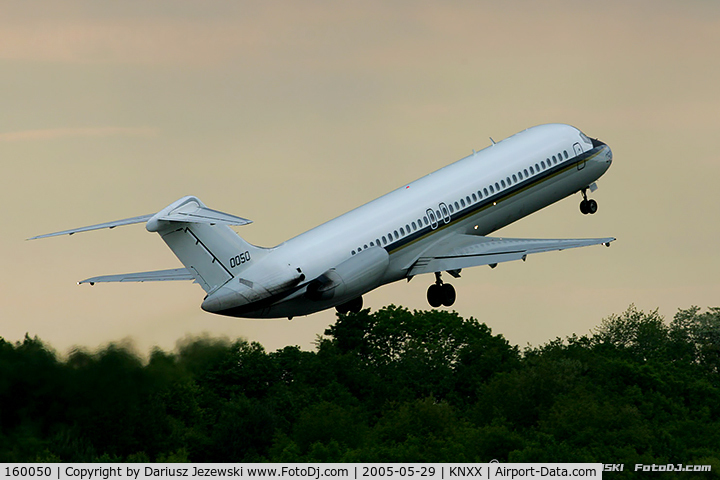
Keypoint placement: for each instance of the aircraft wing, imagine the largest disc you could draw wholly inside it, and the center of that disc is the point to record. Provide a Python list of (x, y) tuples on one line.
[(463, 251), (155, 276)]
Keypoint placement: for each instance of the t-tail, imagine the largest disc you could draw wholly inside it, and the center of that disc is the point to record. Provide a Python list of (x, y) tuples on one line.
[(200, 237)]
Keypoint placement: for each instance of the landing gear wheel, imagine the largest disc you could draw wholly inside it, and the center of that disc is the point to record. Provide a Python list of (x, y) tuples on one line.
[(584, 208), (435, 295), (587, 206), (591, 206), (354, 306), (448, 294)]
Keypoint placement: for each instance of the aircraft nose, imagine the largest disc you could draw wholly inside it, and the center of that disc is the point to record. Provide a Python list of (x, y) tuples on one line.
[(607, 155)]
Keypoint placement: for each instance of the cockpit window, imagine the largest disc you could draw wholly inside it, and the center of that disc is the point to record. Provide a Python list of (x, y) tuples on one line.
[(585, 138)]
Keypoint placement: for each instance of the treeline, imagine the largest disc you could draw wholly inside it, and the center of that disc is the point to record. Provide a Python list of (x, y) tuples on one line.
[(387, 386)]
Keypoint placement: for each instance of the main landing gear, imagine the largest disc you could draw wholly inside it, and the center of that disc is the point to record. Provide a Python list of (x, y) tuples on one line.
[(587, 206), (354, 306), (440, 293)]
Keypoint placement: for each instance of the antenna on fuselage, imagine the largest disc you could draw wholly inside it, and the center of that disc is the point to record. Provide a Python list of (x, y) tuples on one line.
[(492, 141)]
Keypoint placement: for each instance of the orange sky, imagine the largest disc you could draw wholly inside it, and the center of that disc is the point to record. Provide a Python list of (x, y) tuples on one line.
[(290, 114)]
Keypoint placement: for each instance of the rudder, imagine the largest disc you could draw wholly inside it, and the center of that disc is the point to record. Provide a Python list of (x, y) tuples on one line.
[(203, 242)]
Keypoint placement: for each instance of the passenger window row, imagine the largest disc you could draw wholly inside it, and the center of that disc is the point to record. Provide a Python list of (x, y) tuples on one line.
[(467, 201)]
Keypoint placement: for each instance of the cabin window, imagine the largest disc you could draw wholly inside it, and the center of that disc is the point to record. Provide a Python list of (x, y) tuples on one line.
[(372, 244), (480, 195), (462, 202), (492, 190), (514, 178), (402, 231), (353, 252), (542, 164), (474, 197), (502, 182), (425, 219), (485, 190), (532, 172), (396, 235), (526, 173), (457, 207), (384, 240), (497, 186), (365, 246), (554, 159), (467, 199), (414, 226), (537, 168), (407, 228), (508, 181), (451, 208), (439, 215), (565, 153), (359, 249), (377, 242), (419, 223)]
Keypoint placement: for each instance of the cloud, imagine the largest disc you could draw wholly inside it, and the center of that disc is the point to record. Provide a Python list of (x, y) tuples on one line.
[(56, 133)]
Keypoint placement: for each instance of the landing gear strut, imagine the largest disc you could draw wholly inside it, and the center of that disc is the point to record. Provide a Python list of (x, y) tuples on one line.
[(354, 306), (440, 293), (587, 206)]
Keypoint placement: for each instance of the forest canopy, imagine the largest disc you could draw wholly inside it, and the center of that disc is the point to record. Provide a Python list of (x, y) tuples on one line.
[(384, 386)]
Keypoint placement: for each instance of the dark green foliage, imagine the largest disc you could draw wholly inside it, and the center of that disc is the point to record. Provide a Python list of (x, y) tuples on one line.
[(392, 385)]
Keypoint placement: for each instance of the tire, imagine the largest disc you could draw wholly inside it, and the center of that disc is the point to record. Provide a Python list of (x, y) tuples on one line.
[(434, 295), (584, 208), (448, 294), (355, 305), (592, 206)]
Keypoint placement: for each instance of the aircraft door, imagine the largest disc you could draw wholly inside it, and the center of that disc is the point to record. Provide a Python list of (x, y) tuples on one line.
[(433, 219), (578, 152), (445, 213)]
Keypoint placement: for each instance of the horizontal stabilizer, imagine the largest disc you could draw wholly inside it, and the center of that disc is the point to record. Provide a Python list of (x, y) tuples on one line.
[(186, 210), (193, 213), (155, 276), (116, 223), (464, 251)]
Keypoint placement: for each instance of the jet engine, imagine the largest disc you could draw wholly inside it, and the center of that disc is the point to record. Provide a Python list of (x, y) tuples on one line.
[(355, 276)]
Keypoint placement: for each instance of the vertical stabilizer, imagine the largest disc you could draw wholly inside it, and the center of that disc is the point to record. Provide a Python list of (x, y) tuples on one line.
[(200, 237)]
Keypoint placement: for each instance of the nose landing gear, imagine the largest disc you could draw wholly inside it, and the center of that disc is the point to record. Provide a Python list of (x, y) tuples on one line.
[(587, 206), (440, 293)]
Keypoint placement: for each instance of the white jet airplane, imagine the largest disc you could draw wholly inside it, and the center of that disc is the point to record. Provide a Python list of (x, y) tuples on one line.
[(435, 224)]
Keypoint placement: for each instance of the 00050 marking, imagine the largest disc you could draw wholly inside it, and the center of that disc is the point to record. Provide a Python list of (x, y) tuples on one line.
[(238, 260)]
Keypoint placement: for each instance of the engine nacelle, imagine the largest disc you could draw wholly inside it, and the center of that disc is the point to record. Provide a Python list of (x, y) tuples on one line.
[(354, 276)]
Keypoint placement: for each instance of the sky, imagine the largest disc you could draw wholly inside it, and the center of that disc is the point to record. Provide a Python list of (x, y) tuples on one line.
[(292, 113)]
